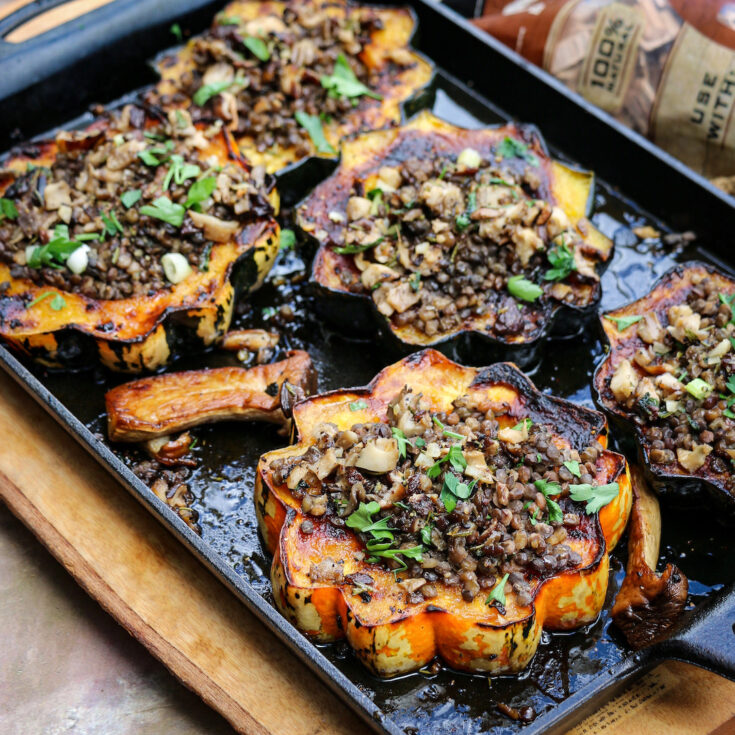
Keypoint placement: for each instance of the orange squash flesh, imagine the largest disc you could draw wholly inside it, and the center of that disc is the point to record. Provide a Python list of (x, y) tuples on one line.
[(672, 288), (394, 85), (390, 635), (323, 213), (140, 332)]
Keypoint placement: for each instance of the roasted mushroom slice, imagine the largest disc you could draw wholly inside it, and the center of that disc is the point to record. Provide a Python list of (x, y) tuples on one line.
[(129, 242), (670, 375), (444, 232), (165, 404), (290, 79), (441, 510), (647, 604)]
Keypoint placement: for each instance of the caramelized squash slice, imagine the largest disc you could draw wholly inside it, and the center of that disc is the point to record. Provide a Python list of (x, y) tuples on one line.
[(166, 404)]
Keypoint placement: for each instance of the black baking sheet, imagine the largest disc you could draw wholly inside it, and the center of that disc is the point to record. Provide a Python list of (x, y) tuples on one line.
[(595, 657)]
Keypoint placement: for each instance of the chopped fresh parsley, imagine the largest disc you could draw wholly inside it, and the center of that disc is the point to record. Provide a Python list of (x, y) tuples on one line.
[(454, 456), (112, 224), (207, 91), (623, 322), (55, 253), (357, 405), (313, 126), (562, 263), (8, 209), (179, 171), (288, 240), (596, 496), (548, 489), (166, 210), (512, 148), (401, 440), (342, 82), (497, 593), (176, 32), (199, 192), (352, 249), (128, 198), (524, 289), (257, 47), (57, 303), (463, 221), (523, 423), (573, 467)]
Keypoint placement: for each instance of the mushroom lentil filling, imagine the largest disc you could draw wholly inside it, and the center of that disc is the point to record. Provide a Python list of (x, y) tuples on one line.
[(127, 211), (440, 241), (262, 75), (679, 385), (446, 498)]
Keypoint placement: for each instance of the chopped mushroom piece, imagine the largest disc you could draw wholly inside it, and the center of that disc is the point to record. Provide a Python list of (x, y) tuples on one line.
[(380, 455), (624, 381), (693, 459)]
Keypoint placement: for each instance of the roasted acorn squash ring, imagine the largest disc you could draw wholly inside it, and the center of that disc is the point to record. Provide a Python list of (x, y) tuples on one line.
[(671, 289), (322, 216), (141, 332), (396, 88), (393, 637)]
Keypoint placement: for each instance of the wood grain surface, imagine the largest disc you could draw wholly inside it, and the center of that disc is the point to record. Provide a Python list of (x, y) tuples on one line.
[(167, 600)]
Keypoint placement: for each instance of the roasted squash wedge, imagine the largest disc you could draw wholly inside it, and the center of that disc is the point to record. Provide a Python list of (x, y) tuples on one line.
[(165, 404), (446, 233), (129, 242), (399, 607), (670, 377), (291, 79)]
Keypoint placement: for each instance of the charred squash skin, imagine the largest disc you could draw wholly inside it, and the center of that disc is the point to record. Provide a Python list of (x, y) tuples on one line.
[(139, 333), (671, 289), (425, 136), (390, 635), (396, 86)]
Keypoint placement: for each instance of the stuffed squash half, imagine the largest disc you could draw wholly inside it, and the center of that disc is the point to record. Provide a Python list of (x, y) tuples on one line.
[(442, 511), (129, 241)]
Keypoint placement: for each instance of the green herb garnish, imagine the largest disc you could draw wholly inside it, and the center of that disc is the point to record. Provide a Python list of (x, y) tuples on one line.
[(342, 82), (257, 47), (288, 240), (207, 91), (699, 388), (573, 467), (623, 322), (512, 148), (562, 263), (313, 126), (524, 289), (166, 210), (352, 249), (176, 32), (497, 593), (199, 192), (179, 171), (357, 405), (128, 198), (112, 224), (57, 304), (596, 496), (401, 440), (8, 209)]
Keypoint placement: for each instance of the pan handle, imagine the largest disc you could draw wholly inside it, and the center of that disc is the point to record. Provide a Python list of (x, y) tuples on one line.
[(706, 638)]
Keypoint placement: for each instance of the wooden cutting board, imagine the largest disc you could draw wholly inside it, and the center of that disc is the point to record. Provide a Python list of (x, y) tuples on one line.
[(139, 574), (144, 578)]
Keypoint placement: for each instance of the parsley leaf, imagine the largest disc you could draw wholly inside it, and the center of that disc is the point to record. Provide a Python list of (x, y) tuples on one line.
[(166, 210), (55, 252), (176, 32), (573, 467), (426, 534), (401, 440), (361, 520), (523, 423), (463, 221), (128, 198), (524, 289), (596, 496), (352, 249), (57, 303), (8, 209), (257, 47), (623, 322), (313, 126), (288, 240), (357, 405), (112, 224), (199, 191), (497, 593), (512, 148), (562, 263), (207, 91), (342, 82), (179, 171)]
